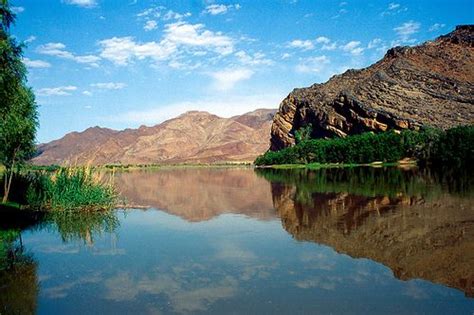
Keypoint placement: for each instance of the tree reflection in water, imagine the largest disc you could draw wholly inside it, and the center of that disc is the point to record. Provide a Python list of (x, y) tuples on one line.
[(18, 279), (19, 285)]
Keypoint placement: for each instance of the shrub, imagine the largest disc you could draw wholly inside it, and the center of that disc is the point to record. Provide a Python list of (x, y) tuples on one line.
[(71, 189), (428, 145)]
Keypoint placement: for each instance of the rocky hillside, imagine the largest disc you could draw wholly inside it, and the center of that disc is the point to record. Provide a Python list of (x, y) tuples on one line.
[(194, 137), (430, 84)]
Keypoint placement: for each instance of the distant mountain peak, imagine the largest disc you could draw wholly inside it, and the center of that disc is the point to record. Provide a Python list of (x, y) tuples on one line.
[(194, 137)]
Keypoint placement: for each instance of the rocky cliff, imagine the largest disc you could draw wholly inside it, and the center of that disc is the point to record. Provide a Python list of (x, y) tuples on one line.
[(430, 84), (194, 137)]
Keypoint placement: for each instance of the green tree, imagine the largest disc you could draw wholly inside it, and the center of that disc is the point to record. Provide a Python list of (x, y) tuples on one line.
[(18, 110)]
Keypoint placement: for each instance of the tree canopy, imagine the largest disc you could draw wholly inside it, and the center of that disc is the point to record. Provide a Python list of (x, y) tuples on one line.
[(18, 110)]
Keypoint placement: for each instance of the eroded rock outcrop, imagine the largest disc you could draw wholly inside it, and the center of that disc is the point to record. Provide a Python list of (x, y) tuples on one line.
[(431, 84)]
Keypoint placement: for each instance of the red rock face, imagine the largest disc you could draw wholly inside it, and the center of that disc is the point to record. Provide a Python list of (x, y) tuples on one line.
[(431, 84), (194, 137)]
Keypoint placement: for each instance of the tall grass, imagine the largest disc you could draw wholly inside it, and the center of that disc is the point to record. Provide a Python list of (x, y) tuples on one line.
[(73, 188)]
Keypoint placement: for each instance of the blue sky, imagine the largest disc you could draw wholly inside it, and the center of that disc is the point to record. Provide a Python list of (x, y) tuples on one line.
[(122, 64)]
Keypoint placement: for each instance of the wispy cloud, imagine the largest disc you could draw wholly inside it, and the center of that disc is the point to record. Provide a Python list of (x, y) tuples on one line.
[(59, 50), (56, 91), (36, 63), (302, 44), (406, 30), (255, 59), (321, 42), (17, 10), (150, 25), (353, 47), (82, 3), (436, 27), (226, 79), (109, 85), (313, 64), (217, 9), (30, 39), (393, 8)]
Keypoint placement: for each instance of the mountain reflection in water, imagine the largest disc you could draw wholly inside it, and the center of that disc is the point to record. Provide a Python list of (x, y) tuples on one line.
[(417, 222), (213, 243), (198, 194), (414, 222)]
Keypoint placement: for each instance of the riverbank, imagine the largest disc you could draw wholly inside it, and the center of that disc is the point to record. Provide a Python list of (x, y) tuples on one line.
[(65, 189), (405, 163)]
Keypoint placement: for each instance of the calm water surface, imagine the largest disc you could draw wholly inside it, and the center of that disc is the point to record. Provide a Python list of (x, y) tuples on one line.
[(239, 241)]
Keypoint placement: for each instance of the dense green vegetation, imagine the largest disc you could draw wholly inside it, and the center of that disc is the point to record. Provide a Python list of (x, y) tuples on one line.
[(18, 110), (454, 146), (78, 188)]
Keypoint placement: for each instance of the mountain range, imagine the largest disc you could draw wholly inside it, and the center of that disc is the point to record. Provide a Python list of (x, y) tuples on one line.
[(193, 137)]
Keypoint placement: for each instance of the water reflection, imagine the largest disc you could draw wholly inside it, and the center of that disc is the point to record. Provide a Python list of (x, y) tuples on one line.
[(18, 275), (19, 284), (198, 194), (417, 223), (212, 250)]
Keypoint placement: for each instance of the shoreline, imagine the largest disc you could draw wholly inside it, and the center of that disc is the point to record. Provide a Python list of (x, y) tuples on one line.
[(406, 163)]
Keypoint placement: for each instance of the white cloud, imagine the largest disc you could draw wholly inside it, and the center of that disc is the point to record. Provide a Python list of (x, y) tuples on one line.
[(120, 50), (313, 64), (393, 6), (216, 9), (87, 93), (303, 44), (181, 33), (56, 91), (407, 29), (30, 39), (109, 85), (256, 59), (36, 63), (226, 79), (322, 40), (192, 37), (174, 15), (229, 106), (17, 10), (285, 56), (353, 47), (436, 27), (82, 3), (59, 50), (331, 46), (374, 43), (150, 25)]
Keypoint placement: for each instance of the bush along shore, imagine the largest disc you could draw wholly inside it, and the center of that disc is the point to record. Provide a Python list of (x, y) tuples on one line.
[(66, 189), (428, 146)]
